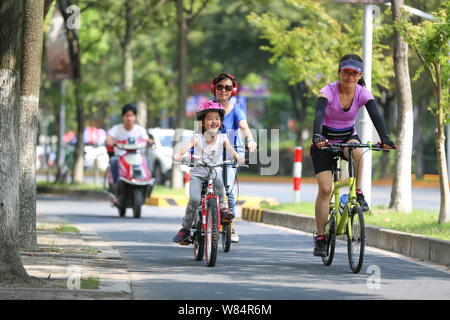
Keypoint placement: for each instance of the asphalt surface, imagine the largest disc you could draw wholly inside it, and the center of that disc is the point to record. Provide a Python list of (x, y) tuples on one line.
[(423, 198), (268, 263)]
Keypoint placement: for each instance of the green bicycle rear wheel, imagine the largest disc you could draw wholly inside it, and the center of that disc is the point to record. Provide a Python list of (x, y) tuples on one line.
[(356, 244), (330, 233)]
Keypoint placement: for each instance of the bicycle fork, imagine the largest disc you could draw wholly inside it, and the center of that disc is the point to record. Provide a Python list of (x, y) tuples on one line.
[(210, 195)]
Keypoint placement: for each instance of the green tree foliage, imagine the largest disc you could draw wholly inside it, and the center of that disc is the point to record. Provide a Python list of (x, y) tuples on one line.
[(308, 49), (431, 42)]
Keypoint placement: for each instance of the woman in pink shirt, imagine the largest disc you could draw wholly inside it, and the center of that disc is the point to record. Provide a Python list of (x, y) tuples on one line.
[(337, 106)]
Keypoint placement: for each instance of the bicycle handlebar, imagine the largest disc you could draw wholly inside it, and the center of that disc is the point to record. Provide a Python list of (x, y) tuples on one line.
[(188, 162), (354, 145)]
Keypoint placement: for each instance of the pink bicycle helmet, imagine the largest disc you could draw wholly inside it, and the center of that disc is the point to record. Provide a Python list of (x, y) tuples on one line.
[(208, 106)]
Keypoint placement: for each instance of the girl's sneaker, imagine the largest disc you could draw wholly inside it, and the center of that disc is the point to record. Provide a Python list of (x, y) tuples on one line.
[(182, 237), (226, 215)]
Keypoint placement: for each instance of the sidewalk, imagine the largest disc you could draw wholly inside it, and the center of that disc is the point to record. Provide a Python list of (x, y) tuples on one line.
[(72, 266)]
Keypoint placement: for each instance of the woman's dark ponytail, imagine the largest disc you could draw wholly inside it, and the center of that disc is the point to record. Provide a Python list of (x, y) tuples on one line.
[(361, 81)]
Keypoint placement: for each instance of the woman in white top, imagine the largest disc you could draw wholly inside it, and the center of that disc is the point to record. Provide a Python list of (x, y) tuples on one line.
[(208, 147)]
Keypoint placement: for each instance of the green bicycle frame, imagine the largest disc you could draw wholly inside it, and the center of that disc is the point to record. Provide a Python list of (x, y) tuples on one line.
[(342, 220)]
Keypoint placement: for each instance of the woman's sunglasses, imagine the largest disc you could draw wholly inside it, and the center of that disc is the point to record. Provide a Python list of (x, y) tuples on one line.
[(220, 87)]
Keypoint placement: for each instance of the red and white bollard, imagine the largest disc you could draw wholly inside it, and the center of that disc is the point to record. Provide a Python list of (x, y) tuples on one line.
[(298, 154), (187, 178)]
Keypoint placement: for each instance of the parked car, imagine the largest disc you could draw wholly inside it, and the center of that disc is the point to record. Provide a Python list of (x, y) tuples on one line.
[(160, 156), (92, 153)]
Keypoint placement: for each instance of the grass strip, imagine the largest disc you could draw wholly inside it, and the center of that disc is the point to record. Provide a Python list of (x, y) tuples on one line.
[(57, 228), (90, 283), (420, 222)]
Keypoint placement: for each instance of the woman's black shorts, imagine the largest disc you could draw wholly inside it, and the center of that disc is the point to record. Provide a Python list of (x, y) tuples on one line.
[(322, 159)]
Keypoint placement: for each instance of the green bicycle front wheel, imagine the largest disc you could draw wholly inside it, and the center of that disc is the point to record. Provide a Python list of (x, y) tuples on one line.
[(356, 243)]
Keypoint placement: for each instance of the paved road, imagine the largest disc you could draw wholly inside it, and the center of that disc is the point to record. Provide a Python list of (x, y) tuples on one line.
[(268, 263), (423, 198)]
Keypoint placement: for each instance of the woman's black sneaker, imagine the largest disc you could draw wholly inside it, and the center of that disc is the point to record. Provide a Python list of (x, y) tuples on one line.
[(320, 246), (362, 201)]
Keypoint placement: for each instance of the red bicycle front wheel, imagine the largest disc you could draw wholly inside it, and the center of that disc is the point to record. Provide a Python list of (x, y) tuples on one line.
[(212, 233)]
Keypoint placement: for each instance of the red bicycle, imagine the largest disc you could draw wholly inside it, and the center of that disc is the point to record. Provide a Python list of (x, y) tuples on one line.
[(207, 223)]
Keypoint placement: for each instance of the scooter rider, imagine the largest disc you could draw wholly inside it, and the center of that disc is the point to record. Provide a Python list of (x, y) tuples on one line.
[(123, 131)]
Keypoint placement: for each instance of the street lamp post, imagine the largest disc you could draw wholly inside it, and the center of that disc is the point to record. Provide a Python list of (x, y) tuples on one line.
[(364, 119)]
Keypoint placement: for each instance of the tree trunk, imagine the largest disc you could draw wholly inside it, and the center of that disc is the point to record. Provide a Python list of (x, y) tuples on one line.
[(47, 6), (401, 190), (126, 48), (386, 104), (419, 143), (182, 64), (28, 119), (444, 211), (78, 156), (60, 116), (11, 23), (142, 113), (75, 62), (295, 94)]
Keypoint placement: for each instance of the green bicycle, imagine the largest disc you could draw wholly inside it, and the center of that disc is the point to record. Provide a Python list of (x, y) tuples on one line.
[(349, 220)]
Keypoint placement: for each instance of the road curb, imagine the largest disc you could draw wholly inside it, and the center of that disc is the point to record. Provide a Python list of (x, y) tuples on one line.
[(154, 200), (416, 246), (182, 201)]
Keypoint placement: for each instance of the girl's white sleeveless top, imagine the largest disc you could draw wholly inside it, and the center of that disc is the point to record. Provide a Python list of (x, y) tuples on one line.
[(207, 153)]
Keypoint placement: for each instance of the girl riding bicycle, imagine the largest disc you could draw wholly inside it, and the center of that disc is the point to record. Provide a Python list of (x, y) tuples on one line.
[(224, 86), (336, 110), (208, 147)]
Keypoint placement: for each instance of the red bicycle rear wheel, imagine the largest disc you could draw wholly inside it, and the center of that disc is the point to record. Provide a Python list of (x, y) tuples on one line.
[(199, 242)]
